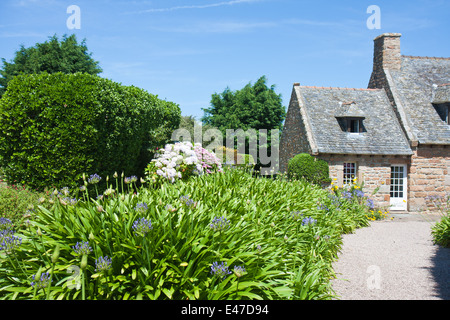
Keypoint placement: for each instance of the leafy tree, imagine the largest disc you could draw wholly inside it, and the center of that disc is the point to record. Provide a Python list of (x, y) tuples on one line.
[(255, 107), (192, 125), (66, 56)]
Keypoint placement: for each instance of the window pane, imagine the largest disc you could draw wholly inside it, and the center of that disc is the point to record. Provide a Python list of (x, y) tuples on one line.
[(349, 172)]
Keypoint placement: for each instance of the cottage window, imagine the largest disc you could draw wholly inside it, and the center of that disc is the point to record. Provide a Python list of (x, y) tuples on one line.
[(349, 172), (443, 111), (354, 125)]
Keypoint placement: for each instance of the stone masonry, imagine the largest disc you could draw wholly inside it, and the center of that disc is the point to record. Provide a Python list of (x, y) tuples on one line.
[(429, 175)]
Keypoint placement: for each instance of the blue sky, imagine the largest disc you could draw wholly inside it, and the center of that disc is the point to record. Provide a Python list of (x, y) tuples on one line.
[(184, 51)]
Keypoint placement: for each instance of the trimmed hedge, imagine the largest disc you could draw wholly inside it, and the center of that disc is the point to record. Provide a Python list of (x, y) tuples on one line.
[(55, 127), (305, 166)]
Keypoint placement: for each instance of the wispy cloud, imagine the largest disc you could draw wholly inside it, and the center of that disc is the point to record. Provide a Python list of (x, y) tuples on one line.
[(26, 34), (314, 23), (201, 6), (27, 3), (215, 27)]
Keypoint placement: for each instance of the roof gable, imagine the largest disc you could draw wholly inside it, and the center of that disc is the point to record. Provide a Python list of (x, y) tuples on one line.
[(441, 93), (383, 134), (420, 82)]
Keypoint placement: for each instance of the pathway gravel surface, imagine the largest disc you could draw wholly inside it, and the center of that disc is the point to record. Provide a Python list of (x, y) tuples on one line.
[(393, 260)]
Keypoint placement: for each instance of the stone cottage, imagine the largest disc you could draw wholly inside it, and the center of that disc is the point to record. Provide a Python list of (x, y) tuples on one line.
[(394, 135)]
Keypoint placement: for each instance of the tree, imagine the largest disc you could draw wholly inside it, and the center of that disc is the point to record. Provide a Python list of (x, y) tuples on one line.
[(253, 107), (66, 56), (193, 126)]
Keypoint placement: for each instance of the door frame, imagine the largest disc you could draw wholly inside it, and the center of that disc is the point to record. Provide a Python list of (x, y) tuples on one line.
[(399, 203)]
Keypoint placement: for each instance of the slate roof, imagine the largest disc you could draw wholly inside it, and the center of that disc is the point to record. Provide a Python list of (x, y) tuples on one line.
[(322, 106), (419, 82), (441, 93), (349, 110)]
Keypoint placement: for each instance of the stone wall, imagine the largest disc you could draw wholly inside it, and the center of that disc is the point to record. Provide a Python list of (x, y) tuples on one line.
[(293, 138), (374, 171), (429, 175)]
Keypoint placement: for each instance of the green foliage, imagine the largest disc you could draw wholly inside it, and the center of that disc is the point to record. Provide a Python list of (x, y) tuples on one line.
[(441, 231), (270, 227), (54, 127), (305, 166), (254, 106), (52, 56), (193, 126), (17, 201)]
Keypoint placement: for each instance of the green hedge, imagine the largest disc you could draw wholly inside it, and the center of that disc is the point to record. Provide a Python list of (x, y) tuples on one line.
[(305, 166), (55, 127)]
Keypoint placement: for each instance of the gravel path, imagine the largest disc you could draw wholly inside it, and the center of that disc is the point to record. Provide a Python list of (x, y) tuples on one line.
[(393, 260)]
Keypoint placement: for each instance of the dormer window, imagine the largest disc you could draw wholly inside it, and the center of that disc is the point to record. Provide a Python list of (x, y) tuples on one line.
[(354, 125), (441, 101), (350, 117), (443, 110)]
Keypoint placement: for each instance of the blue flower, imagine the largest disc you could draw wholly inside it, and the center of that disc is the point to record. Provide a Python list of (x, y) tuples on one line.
[(103, 264), (359, 193), (82, 248), (94, 178), (130, 179), (308, 221), (65, 191), (347, 194), (220, 224), (220, 270), (9, 242), (370, 204), (70, 201), (142, 226), (43, 281), (5, 223), (296, 215), (323, 207), (239, 271), (187, 201), (142, 207)]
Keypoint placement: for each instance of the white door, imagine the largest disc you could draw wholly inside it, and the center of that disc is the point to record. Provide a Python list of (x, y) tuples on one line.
[(398, 187)]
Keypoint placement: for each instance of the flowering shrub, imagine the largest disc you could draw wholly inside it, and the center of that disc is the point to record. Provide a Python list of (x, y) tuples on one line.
[(349, 203), (181, 161)]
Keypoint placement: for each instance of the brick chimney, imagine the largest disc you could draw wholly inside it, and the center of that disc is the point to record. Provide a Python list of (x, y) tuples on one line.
[(386, 56)]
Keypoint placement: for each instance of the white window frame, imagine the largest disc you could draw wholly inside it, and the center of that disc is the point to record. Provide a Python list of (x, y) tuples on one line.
[(349, 172)]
